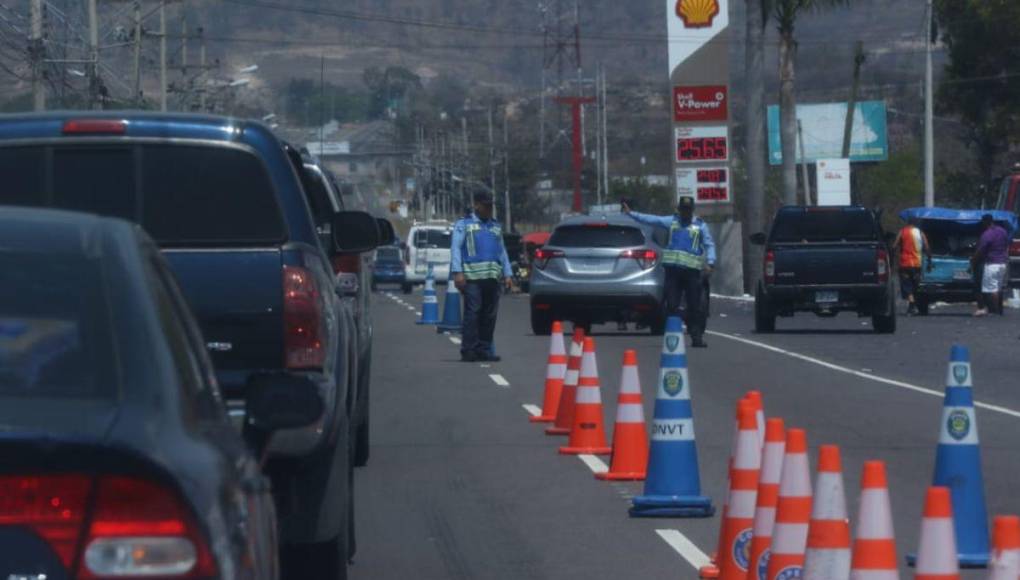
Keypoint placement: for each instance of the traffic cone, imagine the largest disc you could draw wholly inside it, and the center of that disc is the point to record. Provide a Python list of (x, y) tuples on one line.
[(936, 556), (768, 498), (588, 434), (451, 310), (828, 542), (713, 569), (565, 409), (673, 484), (735, 552), (555, 371), (874, 552), (759, 414), (630, 438), (958, 463), (430, 304), (793, 514), (1006, 553)]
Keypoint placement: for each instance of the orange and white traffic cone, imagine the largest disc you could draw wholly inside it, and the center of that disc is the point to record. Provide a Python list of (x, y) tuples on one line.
[(793, 514), (759, 413), (874, 552), (734, 558), (555, 371), (589, 432), (1005, 563), (828, 543), (936, 555), (565, 409), (630, 438), (713, 568), (768, 498)]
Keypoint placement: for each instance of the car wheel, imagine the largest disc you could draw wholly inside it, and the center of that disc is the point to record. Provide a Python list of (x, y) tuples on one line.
[(541, 322), (406, 288), (923, 304), (885, 323), (764, 315)]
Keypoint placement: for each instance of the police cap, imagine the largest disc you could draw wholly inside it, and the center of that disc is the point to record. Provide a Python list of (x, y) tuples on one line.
[(685, 203)]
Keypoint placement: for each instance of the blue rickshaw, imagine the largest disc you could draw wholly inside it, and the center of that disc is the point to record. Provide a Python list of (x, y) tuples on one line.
[(953, 236)]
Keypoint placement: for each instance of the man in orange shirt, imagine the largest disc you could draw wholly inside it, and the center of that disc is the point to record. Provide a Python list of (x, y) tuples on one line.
[(911, 246)]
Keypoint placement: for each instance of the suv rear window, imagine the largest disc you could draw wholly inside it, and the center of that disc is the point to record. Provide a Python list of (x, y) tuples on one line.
[(433, 239), (184, 195), (596, 236), (824, 226)]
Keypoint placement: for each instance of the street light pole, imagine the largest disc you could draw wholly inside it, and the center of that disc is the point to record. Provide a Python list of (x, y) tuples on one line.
[(929, 114), (162, 56)]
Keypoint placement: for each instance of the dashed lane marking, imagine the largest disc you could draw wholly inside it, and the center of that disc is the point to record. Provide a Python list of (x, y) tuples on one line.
[(455, 340), (686, 548), (500, 381), (532, 410), (594, 463), (859, 374), (418, 312)]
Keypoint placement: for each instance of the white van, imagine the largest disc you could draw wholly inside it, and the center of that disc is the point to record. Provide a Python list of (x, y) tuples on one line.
[(427, 243)]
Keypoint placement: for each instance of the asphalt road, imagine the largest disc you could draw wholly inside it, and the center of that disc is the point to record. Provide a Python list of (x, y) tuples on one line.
[(461, 485)]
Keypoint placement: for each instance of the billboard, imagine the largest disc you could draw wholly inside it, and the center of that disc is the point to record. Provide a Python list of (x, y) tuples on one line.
[(704, 103), (823, 132)]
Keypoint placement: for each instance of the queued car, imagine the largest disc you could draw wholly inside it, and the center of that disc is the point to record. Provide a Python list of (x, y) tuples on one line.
[(119, 458), (428, 244), (388, 267), (225, 204)]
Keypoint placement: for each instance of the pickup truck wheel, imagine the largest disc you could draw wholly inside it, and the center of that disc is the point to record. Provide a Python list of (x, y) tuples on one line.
[(885, 323), (923, 303), (764, 316), (541, 322)]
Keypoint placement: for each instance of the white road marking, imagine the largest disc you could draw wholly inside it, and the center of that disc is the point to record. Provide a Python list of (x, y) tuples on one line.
[(744, 298), (417, 312), (532, 410), (455, 340), (860, 374), (594, 463), (499, 380), (686, 548)]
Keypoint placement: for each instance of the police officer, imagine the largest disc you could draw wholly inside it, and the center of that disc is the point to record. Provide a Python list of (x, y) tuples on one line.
[(691, 254), (478, 265)]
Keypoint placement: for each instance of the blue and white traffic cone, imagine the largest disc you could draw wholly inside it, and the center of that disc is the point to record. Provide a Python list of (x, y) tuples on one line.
[(451, 310), (673, 483), (958, 464), (430, 304)]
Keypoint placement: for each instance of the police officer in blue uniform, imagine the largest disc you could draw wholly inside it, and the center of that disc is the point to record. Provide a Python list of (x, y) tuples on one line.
[(691, 255), (478, 266)]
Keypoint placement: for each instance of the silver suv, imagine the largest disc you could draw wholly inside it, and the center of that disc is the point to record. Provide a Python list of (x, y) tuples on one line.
[(600, 268)]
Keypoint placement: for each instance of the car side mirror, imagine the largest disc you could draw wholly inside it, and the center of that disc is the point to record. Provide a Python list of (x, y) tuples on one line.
[(354, 232), (387, 235), (275, 401), (758, 239)]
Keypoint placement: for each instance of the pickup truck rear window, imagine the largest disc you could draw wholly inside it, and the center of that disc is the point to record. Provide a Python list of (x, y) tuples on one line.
[(824, 226), (600, 236), (184, 195)]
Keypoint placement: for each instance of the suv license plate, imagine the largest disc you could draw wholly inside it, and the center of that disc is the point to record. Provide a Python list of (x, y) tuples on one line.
[(826, 297)]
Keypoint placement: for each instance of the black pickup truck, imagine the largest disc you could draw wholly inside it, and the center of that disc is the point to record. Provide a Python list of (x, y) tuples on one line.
[(825, 260)]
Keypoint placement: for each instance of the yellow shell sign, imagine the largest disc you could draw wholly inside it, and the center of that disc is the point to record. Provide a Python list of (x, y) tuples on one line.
[(697, 13)]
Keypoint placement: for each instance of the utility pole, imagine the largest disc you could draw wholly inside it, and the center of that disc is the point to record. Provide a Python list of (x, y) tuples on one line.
[(598, 133), (36, 54), (201, 59), (93, 65), (605, 134), (506, 170), (492, 160), (185, 90), (162, 54), (575, 104), (138, 52), (851, 108), (929, 113), (803, 164)]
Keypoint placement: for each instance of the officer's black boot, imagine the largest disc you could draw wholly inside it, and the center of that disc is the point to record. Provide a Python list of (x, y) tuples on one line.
[(698, 341)]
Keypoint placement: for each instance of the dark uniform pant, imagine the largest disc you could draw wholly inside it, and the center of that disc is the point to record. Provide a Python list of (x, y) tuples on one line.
[(684, 285), (481, 304)]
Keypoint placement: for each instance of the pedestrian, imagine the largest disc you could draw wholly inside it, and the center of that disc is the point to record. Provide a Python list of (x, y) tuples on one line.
[(911, 247), (479, 265), (690, 256), (992, 256)]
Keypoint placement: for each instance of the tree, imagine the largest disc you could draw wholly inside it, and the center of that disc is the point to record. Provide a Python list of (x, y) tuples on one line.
[(980, 82), (786, 13), (390, 87), (754, 72)]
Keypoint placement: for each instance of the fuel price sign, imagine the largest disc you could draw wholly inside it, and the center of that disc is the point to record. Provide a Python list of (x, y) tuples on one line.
[(699, 144), (704, 184)]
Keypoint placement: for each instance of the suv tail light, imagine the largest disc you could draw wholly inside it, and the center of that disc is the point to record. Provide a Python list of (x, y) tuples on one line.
[(542, 257), (882, 266), (646, 258), (302, 312), (112, 526), (770, 267), (1014, 248)]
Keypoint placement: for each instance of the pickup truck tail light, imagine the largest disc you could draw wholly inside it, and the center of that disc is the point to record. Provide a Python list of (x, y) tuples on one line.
[(770, 267), (108, 526), (542, 257), (645, 258), (303, 342), (882, 266), (1014, 248)]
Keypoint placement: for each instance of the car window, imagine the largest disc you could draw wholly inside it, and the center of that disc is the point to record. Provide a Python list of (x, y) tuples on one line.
[(318, 196), (387, 255), (596, 236), (433, 238), (55, 333), (96, 180), (824, 226)]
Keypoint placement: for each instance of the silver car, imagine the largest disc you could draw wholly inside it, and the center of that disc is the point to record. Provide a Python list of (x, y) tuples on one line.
[(596, 269)]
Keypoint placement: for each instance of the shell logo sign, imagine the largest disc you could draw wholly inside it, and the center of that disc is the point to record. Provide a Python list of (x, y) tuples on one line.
[(697, 13)]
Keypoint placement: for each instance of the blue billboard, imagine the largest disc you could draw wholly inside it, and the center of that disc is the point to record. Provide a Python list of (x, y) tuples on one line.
[(823, 126)]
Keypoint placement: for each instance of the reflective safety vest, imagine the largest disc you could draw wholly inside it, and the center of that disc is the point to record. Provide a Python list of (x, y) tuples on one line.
[(686, 249), (483, 258), (911, 247)]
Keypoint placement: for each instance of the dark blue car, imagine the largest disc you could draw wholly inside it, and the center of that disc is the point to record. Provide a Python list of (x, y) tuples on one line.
[(224, 202), (388, 267)]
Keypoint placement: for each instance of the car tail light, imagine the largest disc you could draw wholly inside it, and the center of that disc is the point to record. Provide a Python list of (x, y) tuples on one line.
[(112, 527), (542, 257), (302, 313), (646, 258), (95, 127), (882, 266), (347, 263), (770, 267), (1014, 248)]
